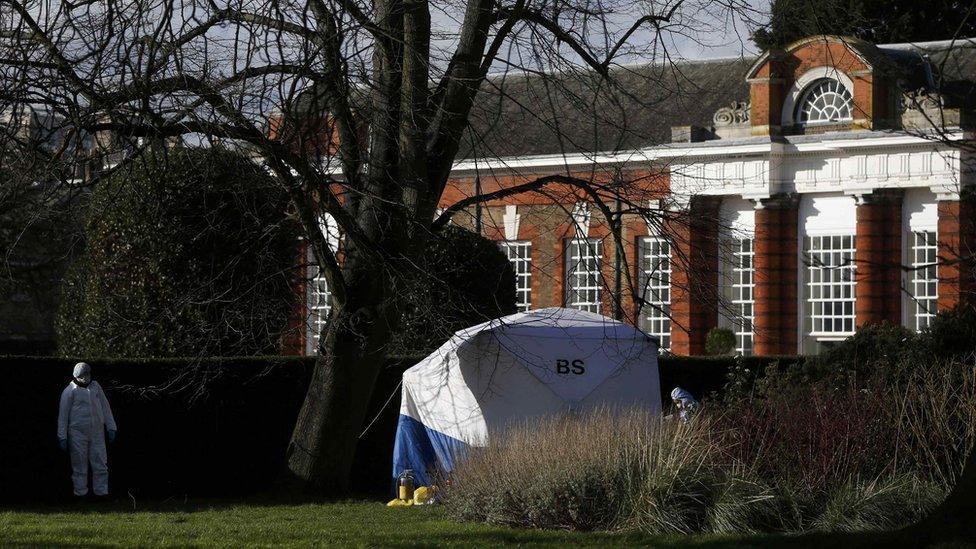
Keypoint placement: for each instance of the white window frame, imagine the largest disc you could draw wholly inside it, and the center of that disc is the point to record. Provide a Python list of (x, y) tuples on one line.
[(920, 281), (830, 285), (318, 302), (834, 87), (737, 271), (655, 282), (519, 253), (799, 87), (584, 275), (923, 277), (741, 291)]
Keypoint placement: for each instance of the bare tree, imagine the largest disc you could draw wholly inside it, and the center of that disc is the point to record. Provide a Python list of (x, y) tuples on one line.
[(936, 108), (358, 108)]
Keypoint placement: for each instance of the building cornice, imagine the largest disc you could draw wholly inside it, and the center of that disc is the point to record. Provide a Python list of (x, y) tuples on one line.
[(707, 151)]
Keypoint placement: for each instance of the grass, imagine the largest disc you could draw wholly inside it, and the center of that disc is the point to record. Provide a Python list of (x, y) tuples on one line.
[(356, 524), (240, 524)]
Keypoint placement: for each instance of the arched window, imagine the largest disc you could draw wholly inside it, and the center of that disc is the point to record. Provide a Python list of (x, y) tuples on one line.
[(825, 100)]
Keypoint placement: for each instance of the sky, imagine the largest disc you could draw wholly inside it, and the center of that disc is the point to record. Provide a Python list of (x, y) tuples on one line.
[(729, 38), (699, 29)]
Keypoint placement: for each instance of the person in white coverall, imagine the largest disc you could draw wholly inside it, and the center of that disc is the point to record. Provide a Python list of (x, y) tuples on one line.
[(84, 418), (684, 402)]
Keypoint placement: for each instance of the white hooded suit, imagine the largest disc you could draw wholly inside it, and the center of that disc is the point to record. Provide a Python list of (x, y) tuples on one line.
[(84, 417)]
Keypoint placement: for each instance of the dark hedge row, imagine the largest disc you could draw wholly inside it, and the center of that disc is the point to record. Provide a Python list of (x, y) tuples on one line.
[(216, 427)]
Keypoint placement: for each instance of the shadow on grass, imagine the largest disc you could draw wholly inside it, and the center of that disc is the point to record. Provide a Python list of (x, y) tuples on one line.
[(185, 504)]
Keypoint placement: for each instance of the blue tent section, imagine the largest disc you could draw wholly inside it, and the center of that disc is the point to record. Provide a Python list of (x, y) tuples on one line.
[(423, 450)]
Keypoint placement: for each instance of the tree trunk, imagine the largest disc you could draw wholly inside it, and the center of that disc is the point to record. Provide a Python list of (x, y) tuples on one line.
[(323, 444), (955, 518)]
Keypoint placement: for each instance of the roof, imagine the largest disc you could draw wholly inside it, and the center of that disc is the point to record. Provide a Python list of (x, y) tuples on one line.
[(868, 53), (581, 112), (578, 112)]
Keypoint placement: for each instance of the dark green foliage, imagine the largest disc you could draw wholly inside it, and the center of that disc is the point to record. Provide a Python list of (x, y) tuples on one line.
[(882, 352), (732, 376), (720, 341), (464, 281), (189, 254), (40, 232), (951, 333), (872, 349), (877, 21)]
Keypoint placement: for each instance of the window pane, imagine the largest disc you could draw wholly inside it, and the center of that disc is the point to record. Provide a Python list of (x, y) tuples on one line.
[(519, 253), (318, 303), (584, 281), (923, 278), (830, 283), (742, 284), (655, 279)]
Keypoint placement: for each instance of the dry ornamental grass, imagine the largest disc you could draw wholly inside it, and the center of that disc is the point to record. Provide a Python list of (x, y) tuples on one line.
[(869, 456)]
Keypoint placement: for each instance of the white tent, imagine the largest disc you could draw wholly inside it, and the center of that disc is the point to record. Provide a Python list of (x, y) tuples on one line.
[(517, 367)]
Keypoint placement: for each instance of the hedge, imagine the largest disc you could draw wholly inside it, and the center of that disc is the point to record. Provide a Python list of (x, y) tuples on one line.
[(210, 427), (190, 253)]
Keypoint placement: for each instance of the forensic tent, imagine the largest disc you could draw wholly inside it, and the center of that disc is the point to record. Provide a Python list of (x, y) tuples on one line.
[(514, 368)]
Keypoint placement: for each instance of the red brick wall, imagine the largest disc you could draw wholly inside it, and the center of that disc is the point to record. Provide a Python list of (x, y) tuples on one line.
[(957, 244), (548, 227), (878, 258), (293, 339), (766, 100), (776, 277), (772, 80), (694, 276), (546, 220)]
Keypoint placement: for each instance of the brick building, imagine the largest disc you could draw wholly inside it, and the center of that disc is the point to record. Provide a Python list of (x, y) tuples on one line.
[(801, 193)]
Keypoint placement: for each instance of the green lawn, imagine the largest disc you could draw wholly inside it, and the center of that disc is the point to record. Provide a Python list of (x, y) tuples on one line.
[(345, 524)]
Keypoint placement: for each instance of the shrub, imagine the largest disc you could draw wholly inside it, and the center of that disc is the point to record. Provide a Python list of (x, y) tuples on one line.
[(187, 254), (607, 470), (951, 333), (720, 341), (809, 437), (788, 457), (890, 350), (465, 280), (873, 348), (933, 411)]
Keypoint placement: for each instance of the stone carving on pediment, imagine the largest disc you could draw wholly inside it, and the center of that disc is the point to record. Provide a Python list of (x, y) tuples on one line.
[(922, 99), (736, 113)]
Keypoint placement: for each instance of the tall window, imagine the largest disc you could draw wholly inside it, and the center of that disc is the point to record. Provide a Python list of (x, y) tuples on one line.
[(830, 284), (655, 279), (825, 101), (583, 277), (520, 254), (742, 286), (923, 278), (319, 301)]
